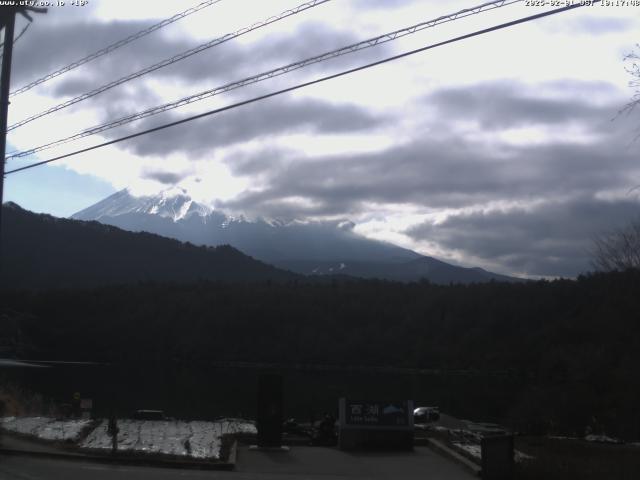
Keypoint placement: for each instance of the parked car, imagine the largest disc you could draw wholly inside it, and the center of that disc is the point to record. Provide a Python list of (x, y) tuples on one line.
[(426, 414)]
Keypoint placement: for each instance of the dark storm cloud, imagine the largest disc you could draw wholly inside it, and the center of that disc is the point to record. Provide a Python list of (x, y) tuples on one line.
[(445, 170), (53, 45), (252, 122), (167, 178), (233, 61), (554, 238), (417, 173), (218, 66), (438, 173), (48, 45), (72, 86), (114, 104), (504, 105), (250, 164)]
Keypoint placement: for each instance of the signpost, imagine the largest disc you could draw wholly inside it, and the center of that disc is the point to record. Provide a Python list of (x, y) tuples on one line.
[(376, 424)]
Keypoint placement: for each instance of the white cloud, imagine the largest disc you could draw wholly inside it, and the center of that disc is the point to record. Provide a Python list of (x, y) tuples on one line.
[(573, 58)]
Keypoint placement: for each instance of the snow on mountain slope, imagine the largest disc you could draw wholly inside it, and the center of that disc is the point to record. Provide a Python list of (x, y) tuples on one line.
[(174, 214), (306, 247), (173, 203)]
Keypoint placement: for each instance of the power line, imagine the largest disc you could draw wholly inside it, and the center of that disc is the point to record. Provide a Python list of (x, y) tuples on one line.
[(302, 85), (22, 32), (116, 45), (169, 61), (387, 37)]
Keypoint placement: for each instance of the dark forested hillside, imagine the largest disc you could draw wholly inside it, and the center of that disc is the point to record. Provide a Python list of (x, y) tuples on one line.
[(309, 248), (41, 251), (573, 346)]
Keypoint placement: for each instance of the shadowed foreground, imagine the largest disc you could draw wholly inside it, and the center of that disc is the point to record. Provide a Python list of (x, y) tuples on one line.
[(307, 462)]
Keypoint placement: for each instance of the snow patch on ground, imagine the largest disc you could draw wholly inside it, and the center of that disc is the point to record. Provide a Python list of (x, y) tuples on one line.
[(45, 428), (475, 451), (471, 448), (521, 456), (589, 438), (469, 442), (602, 439), (197, 439), (561, 437)]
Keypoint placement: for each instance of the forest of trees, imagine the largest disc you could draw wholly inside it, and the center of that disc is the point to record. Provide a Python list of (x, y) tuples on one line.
[(41, 251), (573, 346)]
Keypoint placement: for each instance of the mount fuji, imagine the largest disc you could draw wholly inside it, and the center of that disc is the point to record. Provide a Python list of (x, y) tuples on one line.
[(310, 248)]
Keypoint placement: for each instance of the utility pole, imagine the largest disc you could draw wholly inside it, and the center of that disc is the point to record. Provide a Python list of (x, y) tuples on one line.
[(7, 22)]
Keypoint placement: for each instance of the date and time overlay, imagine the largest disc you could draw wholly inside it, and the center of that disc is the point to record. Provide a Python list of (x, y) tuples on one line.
[(528, 3)]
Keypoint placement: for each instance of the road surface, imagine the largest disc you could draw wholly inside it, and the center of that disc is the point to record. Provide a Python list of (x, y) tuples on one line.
[(312, 463)]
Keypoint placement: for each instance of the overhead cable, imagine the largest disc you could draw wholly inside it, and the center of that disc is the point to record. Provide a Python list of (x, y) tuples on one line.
[(371, 42), (114, 46), (301, 85), (170, 61)]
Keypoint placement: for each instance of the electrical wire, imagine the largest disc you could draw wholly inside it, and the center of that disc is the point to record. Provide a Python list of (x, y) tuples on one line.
[(22, 32), (302, 85), (24, 29), (371, 42), (115, 46), (170, 61)]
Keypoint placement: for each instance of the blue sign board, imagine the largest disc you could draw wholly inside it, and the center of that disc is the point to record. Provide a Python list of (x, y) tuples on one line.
[(368, 413)]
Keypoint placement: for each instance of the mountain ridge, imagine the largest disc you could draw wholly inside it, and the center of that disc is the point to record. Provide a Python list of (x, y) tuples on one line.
[(42, 251), (308, 248), (285, 240)]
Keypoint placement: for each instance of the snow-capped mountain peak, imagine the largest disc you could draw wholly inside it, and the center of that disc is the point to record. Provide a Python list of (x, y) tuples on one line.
[(303, 246), (173, 203)]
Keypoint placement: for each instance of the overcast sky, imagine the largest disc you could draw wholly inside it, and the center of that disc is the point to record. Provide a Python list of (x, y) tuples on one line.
[(505, 151)]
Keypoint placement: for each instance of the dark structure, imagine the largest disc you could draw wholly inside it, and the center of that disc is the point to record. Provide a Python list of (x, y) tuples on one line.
[(7, 22), (270, 410), (497, 457)]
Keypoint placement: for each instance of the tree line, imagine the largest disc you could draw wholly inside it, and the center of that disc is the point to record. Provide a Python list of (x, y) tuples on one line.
[(573, 345)]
